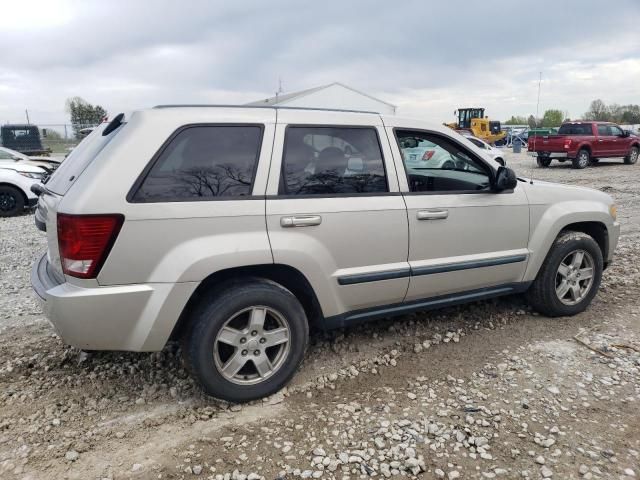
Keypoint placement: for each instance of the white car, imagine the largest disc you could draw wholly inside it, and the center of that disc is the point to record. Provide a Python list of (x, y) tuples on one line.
[(16, 179), (487, 149), (48, 164), (422, 154)]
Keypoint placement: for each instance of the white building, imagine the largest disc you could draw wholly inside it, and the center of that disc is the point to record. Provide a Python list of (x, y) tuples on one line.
[(334, 95)]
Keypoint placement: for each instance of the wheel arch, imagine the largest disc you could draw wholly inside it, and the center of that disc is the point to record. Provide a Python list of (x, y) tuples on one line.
[(591, 221), (596, 230), (285, 275)]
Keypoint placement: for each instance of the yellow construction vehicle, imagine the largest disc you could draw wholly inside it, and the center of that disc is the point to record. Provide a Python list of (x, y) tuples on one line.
[(472, 120)]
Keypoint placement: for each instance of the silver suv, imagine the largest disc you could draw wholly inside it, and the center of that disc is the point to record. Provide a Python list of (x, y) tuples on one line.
[(233, 229)]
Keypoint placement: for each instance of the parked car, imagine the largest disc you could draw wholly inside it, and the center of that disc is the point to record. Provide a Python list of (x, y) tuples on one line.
[(48, 164), (419, 153), (223, 228), (585, 142), (493, 152), (16, 180)]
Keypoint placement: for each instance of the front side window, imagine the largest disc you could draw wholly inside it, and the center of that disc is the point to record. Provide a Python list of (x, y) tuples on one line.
[(332, 161), (204, 162), (614, 130), (436, 164)]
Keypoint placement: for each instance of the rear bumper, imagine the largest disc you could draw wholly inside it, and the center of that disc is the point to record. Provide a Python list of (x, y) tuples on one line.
[(136, 317), (553, 154)]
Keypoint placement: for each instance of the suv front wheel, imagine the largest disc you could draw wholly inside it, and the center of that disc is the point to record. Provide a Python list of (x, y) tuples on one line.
[(569, 277), (247, 341)]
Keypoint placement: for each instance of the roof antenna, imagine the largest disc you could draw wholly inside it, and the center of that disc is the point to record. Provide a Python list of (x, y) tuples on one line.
[(280, 90), (536, 124)]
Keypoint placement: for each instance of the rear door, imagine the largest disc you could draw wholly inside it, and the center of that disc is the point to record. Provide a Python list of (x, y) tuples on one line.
[(334, 211)]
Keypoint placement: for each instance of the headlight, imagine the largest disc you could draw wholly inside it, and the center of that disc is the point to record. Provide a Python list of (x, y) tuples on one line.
[(37, 176), (613, 210)]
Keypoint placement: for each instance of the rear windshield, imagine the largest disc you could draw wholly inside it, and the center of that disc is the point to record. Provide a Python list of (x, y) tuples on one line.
[(79, 159), (575, 129)]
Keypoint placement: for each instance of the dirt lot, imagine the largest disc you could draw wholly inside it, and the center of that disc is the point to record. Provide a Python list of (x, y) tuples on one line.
[(488, 390)]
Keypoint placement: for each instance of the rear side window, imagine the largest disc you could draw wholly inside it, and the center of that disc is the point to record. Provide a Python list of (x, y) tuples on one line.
[(603, 130), (332, 161), (203, 163), (575, 129)]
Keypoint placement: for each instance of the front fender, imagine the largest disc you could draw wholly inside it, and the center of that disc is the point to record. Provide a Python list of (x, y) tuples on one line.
[(547, 221)]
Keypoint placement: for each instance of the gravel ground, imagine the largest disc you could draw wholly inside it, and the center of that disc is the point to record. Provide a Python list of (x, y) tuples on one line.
[(487, 390)]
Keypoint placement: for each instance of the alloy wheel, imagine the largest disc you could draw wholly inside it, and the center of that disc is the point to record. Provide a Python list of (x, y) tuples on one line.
[(252, 345), (574, 277), (583, 159), (7, 202)]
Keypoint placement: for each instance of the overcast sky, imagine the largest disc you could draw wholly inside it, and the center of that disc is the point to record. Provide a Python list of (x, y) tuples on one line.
[(427, 57)]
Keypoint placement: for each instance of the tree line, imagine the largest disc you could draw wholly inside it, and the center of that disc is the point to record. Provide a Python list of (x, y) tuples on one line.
[(598, 110)]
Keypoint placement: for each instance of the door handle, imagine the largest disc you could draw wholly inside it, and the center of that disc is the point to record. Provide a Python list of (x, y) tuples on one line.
[(432, 214), (300, 221)]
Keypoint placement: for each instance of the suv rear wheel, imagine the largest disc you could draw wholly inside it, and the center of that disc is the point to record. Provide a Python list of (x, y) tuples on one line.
[(569, 277), (247, 341), (11, 201)]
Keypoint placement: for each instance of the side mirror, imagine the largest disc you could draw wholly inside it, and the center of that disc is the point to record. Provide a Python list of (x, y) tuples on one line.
[(505, 179), (501, 161), (626, 133)]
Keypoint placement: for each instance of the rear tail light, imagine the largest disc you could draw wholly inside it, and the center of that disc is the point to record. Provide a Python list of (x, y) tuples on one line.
[(567, 143), (428, 154), (85, 241)]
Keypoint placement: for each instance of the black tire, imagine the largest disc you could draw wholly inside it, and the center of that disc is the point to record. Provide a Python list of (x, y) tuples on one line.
[(582, 160), (633, 156), (11, 201), (542, 293), (214, 312), (544, 162)]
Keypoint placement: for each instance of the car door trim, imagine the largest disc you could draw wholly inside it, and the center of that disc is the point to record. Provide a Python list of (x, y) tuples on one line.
[(466, 265), (428, 270), (374, 277)]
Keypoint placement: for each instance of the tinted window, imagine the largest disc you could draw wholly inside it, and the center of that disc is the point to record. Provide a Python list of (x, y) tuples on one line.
[(436, 164), (603, 130), (575, 129), (332, 160), (204, 162)]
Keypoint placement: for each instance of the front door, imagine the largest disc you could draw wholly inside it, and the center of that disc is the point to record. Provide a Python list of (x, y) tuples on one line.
[(620, 144), (463, 236), (334, 210), (605, 146)]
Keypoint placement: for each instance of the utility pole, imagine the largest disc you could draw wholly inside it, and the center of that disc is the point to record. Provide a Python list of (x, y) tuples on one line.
[(27, 114)]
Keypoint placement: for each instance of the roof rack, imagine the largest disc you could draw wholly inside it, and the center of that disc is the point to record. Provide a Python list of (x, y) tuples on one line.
[(276, 107)]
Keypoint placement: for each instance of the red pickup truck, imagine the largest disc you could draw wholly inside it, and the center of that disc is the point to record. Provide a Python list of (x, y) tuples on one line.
[(584, 143)]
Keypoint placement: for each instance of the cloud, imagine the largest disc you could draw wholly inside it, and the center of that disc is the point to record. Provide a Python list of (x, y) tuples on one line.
[(427, 57)]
